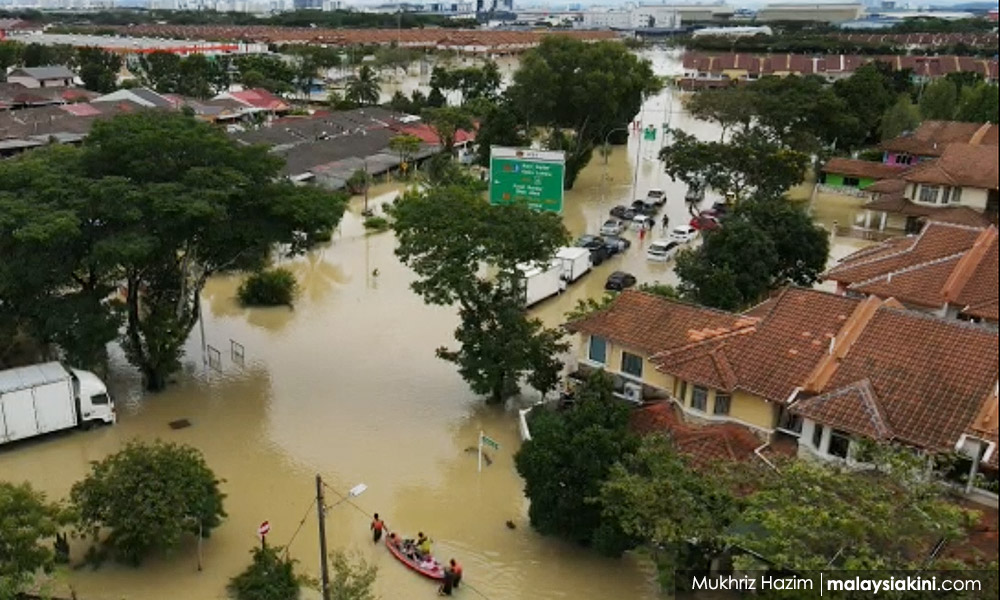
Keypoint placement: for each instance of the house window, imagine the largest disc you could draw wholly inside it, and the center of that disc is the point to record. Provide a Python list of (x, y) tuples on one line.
[(956, 195), (631, 364), (839, 444), (598, 349), (699, 398), (929, 194), (722, 402), (817, 435), (683, 391), (852, 181)]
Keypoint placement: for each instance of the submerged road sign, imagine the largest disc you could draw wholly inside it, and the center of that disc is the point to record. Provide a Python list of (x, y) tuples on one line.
[(533, 177)]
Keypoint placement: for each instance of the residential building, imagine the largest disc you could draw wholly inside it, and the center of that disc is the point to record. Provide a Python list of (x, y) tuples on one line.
[(840, 174), (947, 269), (808, 367), (930, 139), (819, 12), (143, 97), (42, 77)]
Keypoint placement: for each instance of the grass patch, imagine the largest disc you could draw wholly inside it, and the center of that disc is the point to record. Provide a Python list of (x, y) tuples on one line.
[(376, 223)]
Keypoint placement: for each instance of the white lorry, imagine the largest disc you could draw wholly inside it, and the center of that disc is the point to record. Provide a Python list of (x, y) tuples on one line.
[(48, 397), (541, 281), (575, 262)]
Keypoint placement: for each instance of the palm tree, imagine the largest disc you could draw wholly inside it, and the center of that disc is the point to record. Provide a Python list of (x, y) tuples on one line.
[(364, 88)]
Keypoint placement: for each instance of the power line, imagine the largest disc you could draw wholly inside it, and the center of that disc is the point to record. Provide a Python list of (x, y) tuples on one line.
[(299, 528)]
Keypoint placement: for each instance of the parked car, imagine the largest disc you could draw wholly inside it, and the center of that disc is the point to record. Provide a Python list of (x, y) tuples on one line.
[(658, 197), (612, 227), (695, 194), (662, 250), (619, 211), (643, 222), (619, 280), (597, 247), (704, 222), (617, 242), (642, 207), (683, 234)]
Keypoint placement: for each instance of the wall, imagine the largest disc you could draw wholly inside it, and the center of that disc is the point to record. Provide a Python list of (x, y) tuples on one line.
[(974, 198), (650, 376), (744, 409), (28, 82), (837, 180)]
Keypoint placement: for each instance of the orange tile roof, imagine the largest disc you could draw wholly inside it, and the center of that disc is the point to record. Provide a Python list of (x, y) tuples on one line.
[(854, 408), (704, 445), (899, 204), (648, 323), (946, 263), (927, 377), (862, 168), (962, 165), (776, 356), (932, 137)]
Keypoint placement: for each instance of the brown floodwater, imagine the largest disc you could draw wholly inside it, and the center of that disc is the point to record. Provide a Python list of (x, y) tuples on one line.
[(346, 385)]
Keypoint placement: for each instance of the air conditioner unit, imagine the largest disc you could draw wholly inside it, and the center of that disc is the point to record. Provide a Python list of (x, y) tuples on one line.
[(633, 392)]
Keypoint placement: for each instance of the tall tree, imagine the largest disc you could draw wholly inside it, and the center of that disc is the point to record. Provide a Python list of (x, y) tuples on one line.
[(269, 72), (867, 96), (446, 234), (901, 116), (732, 269), (156, 202), (363, 88), (499, 127), (749, 164), (175, 489), (405, 146), (728, 108), (588, 89), (939, 100), (570, 454), (979, 103), (27, 523), (99, 69), (802, 247)]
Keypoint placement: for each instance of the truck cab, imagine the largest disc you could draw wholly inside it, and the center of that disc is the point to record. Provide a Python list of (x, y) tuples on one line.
[(94, 400)]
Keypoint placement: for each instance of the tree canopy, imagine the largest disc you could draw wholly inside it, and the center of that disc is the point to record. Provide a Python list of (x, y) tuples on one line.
[(175, 489), (152, 202), (570, 454), (588, 89), (27, 523), (363, 88), (749, 164), (270, 576), (449, 235), (901, 117), (763, 246)]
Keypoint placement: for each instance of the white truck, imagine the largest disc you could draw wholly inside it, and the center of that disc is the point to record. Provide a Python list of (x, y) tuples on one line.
[(575, 262), (541, 281), (48, 397)]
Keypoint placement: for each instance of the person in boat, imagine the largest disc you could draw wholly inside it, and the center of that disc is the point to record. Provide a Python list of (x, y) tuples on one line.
[(456, 572), (395, 541), (423, 545), (377, 527)]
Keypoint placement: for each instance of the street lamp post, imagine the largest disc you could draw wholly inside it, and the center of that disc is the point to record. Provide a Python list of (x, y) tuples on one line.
[(324, 567)]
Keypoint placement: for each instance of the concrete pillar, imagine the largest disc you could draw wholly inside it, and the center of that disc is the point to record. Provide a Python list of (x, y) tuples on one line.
[(868, 219), (881, 225)]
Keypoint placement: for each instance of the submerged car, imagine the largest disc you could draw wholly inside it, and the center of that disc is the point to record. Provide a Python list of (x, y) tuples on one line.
[(683, 234), (662, 250), (616, 243), (596, 245), (619, 280), (658, 197), (612, 227)]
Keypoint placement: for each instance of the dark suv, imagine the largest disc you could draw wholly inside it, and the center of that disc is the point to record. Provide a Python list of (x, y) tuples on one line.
[(597, 246)]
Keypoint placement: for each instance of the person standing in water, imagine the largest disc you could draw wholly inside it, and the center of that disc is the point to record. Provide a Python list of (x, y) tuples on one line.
[(377, 527)]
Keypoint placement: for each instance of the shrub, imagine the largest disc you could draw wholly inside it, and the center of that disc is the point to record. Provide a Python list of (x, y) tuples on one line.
[(376, 223), (270, 287)]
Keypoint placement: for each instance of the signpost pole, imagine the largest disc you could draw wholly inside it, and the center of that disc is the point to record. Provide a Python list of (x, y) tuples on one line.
[(321, 514), (480, 450)]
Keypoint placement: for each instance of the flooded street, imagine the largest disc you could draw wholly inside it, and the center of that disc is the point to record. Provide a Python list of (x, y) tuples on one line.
[(346, 385)]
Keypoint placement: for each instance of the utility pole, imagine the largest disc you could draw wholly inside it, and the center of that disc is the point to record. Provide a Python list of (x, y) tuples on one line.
[(321, 515)]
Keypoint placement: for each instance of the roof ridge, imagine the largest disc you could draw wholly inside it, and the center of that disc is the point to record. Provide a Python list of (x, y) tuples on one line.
[(842, 342), (907, 269), (968, 264)]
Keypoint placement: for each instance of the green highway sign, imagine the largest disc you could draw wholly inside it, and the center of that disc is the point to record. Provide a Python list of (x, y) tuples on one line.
[(649, 134), (533, 177), (492, 443)]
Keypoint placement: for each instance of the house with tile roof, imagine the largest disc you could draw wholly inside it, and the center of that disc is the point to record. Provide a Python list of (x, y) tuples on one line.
[(822, 370), (855, 174), (949, 270), (52, 76), (929, 140)]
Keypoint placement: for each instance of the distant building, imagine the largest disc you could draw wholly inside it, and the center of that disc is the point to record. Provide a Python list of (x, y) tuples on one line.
[(733, 31), (42, 77), (819, 12)]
